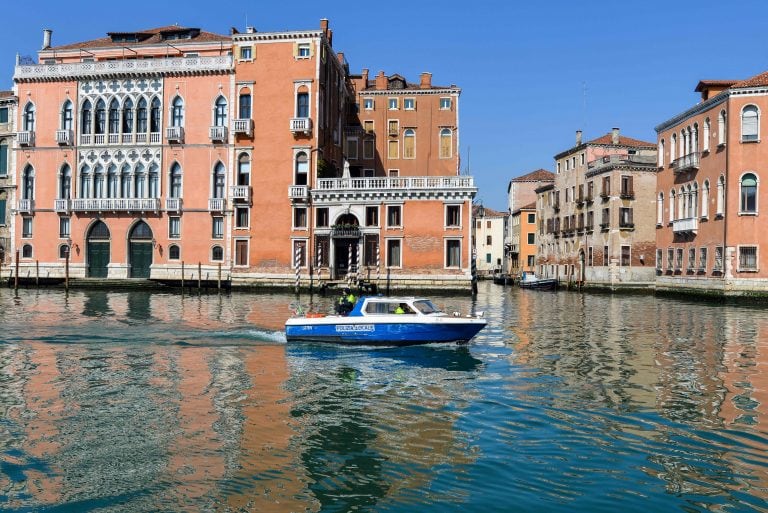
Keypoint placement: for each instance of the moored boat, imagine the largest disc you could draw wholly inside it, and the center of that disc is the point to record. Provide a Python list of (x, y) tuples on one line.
[(377, 320), (531, 281)]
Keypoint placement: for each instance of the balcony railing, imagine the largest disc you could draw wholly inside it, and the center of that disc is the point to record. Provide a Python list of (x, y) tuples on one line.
[(613, 160), (409, 183), (687, 162), (26, 205), (61, 205), (345, 231), (627, 194), (173, 204), (218, 133), (687, 225), (298, 192), (64, 137), (26, 138), (301, 125), (243, 126), (217, 204), (115, 204), (240, 192), (174, 134)]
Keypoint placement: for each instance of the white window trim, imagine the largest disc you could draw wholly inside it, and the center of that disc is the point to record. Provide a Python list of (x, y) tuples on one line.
[(223, 252), (386, 252), (446, 226), (240, 53), (299, 46), (386, 211), (738, 258), (294, 240), (378, 216), (750, 141), (389, 103), (409, 99), (234, 220), (21, 252), (445, 252), (293, 218), (373, 103), (247, 254), (757, 194), (450, 103), (316, 217), (171, 237), (405, 138)]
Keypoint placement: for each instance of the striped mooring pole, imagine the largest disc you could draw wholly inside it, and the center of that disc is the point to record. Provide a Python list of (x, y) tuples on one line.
[(319, 259), (378, 263), (474, 271), (357, 263), (349, 265), (296, 260)]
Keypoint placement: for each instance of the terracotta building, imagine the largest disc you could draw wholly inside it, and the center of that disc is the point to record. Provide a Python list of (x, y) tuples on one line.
[(709, 235), (7, 175), (521, 192), (523, 242), (595, 221), (150, 153)]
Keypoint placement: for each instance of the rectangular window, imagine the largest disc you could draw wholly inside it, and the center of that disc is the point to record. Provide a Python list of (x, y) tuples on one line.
[(368, 126), (392, 103), (300, 217), (321, 218), (392, 149), (453, 216), (488, 240), (245, 106), (606, 187), (445, 104), (26, 227), (394, 217), (590, 257), (659, 259), (394, 253), (304, 50), (368, 104), (606, 256), (625, 218), (627, 190), (748, 258), (625, 256), (679, 259), (606, 221), (371, 216), (322, 251), (487, 258), (488, 224), (369, 149), (409, 104), (718, 266), (218, 228), (531, 238), (241, 217), (368, 173), (531, 218), (691, 258), (3, 159), (299, 253), (453, 253), (393, 173), (241, 252), (246, 53), (3, 114), (63, 227), (670, 258), (393, 127), (370, 248), (2, 211), (174, 227), (531, 260), (702, 259), (352, 148)]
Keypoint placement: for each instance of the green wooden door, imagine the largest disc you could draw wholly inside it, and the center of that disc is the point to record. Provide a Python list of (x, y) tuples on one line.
[(140, 258), (98, 259)]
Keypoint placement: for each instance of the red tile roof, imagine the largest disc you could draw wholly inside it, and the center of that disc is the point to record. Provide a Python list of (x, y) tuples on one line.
[(529, 206), (713, 83), (756, 81), (488, 212), (151, 36), (607, 139), (540, 175)]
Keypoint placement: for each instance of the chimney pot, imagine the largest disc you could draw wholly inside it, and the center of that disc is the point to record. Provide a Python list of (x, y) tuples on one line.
[(615, 136), (47, 38), (578, 137), (426, 80)]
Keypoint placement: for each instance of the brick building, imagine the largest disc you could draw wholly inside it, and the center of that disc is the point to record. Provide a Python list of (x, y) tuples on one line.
[(521, 193), (7, 175)]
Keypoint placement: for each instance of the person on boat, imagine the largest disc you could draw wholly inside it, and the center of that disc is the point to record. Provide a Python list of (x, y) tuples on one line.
[(400, 309), (346, 302)]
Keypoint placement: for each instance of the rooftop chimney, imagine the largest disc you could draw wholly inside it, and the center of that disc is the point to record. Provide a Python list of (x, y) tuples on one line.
[(578, 137), (324, 24), (381, 81), (250, 30), (365, 78), (47, 38), (615, 136), (426, 81)]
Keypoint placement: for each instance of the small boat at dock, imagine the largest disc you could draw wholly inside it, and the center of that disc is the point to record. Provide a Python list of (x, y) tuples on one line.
[(378, 320), (531, 281)]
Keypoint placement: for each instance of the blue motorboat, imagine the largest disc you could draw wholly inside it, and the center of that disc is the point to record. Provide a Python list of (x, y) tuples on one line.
[(378, 320)]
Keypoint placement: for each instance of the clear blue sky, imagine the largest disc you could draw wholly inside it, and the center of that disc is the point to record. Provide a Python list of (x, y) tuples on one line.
[(523, 66)]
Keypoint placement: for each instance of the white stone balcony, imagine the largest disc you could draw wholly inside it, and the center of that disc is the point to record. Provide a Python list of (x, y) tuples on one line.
[(218, 133), (687, 225), (301, 125), (174, 134), (411, 187), (122, 68), (240, 193), (242, 126), (26, 206), (26, 138), (61, 205), (217, 204), (115, 204), (173, 204), (687, 162), (298, 192), (64, 137)]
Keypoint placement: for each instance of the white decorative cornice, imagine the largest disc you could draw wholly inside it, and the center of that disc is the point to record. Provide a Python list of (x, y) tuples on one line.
[(701, 107), (409, 92), (455, 188), (277, 36)]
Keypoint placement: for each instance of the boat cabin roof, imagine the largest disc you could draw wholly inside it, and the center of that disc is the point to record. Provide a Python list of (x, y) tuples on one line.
[(379, 305)]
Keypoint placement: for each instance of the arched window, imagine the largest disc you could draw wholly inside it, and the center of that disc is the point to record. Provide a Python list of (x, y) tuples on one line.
[(85, 182), (128, 116), (218, 181), (141, 117), (86, 126), (177, 112), (98, 182), (695, 135), (175, 181), (750, 123), (693, 200), (244, 169), (65, 182), (63, 250), (220, 112), (3, 157), (673, 148), (684, 142), (140, 182), (66, 115), (671, 205), (29, 117), (409, 144), (707, 135), (28, 183), (660, 209), (748, 195), (681, 197), (720, 196), (154, 116), (113, 186), (26, 251), (302, 169), (114, 116), (721, 127), (661, 153), (705, 199), (446, 143), (154, 182), (217, 254), (174, 252), (101, 117)]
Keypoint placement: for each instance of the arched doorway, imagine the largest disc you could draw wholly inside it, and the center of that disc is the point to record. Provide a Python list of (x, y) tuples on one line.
[(346, 237), (97, 251), (140, 250)]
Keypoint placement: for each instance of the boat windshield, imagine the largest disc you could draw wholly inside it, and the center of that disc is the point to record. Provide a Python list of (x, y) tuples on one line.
[(426, 307)]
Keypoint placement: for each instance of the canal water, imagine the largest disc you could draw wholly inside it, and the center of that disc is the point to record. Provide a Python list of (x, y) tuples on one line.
[(147, 401)]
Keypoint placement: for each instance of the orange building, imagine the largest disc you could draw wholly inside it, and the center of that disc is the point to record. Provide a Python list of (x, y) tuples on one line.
[(708, 231), (521, 192), (7, 165), (144, 151), (522, 250)]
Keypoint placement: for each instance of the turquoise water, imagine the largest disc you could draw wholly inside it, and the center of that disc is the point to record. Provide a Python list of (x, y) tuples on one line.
[(139, 401)]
